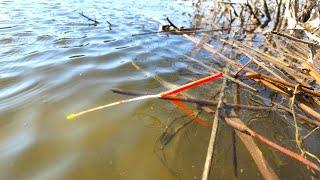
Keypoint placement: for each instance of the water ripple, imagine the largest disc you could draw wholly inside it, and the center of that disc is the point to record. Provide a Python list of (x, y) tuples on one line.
[(53, 62)]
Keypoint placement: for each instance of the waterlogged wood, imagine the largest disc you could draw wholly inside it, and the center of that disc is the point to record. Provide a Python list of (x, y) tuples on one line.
[(244, 129), (256, 154)]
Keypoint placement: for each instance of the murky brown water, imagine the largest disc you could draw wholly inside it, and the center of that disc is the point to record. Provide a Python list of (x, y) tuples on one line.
[(54, 63)]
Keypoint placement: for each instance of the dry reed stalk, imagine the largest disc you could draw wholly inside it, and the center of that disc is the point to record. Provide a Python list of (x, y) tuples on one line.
[(273, 87), (303, 88), (214, 130), (214, 70), (211, 49), (294, 38), (255, 51), (299, 76), (275, 61), (306, 108), (281, 46), (262, 65), (273, 46)]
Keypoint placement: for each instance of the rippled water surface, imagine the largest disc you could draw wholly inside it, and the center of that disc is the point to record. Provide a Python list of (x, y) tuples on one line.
[(54, 62)]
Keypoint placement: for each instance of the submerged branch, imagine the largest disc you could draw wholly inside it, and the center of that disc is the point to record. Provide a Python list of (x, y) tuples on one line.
[(246, 130)]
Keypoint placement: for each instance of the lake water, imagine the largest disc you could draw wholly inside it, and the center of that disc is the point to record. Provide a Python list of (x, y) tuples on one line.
[(53, 62)]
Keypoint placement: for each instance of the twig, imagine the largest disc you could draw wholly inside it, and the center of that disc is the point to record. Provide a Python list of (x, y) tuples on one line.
[(88, 18), (307, 135), (267, 13), (234, 154), (207, 165), (295, 39), (253, 13), (171, 24), (110, 25), (302, 104), (181, 31), (297, 131), (236, 100), (277, 15), (244, 66)]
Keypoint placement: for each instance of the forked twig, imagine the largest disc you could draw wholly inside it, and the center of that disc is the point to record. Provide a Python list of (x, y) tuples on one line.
[(88, 18)]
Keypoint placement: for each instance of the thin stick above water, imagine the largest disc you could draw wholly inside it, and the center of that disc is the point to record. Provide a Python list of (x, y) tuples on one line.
[(214, 130)]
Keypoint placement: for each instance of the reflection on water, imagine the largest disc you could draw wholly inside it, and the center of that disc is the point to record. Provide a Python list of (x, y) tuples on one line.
[(53, 62)]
